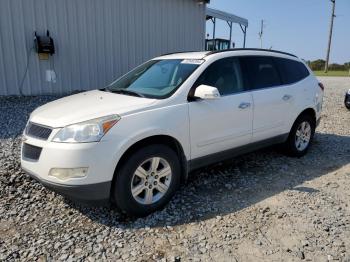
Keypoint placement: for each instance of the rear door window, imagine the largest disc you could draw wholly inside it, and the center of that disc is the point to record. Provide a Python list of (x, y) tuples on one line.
[(260, 72), (291, 71)]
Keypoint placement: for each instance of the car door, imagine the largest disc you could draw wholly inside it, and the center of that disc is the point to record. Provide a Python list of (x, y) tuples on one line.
[(273, 101), (224, 123)]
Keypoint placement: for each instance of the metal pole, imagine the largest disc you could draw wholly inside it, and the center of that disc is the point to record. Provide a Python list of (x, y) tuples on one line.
[(214, 22), (245, 34), (230, 25), (261, 32), (330, 37)]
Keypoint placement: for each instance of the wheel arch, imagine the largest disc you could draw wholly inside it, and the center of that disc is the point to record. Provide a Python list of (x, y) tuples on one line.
[(289, 145), (308, 111), (167, 140)]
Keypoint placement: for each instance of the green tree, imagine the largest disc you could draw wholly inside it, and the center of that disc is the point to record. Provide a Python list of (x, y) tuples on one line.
[(317, 64)]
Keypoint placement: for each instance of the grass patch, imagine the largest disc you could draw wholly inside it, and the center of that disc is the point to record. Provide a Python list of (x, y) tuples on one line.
[(332, 73)]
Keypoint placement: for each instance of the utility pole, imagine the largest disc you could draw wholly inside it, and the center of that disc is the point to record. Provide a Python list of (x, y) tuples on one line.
[(330, 36), (261, 33)]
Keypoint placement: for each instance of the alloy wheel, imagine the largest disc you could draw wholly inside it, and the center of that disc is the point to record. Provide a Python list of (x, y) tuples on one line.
[(303, 136), (151, 180)]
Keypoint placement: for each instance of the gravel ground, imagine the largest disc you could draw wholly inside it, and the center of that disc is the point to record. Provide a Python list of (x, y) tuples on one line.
[(259, 207)]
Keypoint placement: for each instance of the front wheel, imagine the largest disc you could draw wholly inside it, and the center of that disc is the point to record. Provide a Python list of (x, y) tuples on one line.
[(300, 136), (147, 180)]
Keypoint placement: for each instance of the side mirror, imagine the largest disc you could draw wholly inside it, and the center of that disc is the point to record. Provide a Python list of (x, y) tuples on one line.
[(206, 92)]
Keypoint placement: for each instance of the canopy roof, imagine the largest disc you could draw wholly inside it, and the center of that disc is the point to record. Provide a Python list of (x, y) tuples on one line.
[(213, 13)]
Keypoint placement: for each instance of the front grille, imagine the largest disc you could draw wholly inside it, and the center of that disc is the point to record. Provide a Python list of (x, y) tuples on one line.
[(38, 131), (31, 152)]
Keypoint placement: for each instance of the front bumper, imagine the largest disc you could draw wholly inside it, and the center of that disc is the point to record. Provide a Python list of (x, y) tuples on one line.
[(95, 187), (92, 194)]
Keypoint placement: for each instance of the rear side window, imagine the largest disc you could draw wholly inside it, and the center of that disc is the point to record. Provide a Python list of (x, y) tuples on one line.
[(291, 71), (225, 75), (260, 72)]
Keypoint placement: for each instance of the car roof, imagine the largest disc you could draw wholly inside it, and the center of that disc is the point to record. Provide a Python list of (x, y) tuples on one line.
[(233, 52)]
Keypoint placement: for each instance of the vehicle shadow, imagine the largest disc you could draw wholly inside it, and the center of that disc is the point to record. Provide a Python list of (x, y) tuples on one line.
[(235, 184)]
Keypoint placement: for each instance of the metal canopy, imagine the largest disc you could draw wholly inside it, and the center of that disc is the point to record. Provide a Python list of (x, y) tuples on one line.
[(226, 16), (212, 14)]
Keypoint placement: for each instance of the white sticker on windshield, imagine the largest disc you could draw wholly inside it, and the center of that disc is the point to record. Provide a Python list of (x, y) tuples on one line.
[(192, 61)]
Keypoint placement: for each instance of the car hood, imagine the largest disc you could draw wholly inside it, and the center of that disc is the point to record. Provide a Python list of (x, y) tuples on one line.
[(85, 106)]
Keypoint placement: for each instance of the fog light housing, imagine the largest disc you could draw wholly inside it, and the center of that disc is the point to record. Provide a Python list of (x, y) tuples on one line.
[(68, 173)]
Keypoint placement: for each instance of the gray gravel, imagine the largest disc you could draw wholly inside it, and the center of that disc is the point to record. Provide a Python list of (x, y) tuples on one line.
[(261, 206)]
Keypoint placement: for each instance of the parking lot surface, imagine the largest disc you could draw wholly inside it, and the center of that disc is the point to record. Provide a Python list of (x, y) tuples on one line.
[(263, 206)]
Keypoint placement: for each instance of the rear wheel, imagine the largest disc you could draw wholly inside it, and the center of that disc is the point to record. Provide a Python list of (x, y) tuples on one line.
[(147, 180), (300, 136)]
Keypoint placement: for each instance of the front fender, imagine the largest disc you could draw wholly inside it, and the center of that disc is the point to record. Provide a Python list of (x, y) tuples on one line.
[(169, 121)]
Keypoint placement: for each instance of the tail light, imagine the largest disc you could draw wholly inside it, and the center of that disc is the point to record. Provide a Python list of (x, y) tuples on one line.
[(321, 86)]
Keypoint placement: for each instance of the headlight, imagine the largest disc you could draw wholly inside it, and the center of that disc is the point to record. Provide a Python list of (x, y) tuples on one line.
[(88, 131)]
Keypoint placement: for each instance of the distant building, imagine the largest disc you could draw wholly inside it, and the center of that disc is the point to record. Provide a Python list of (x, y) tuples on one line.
[(95, 41)]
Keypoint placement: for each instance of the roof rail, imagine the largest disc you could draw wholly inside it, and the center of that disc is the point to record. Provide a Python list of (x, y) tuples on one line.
[(250, 49), (179, 52)]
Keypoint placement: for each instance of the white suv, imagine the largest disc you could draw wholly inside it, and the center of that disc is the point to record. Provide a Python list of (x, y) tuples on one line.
[(133, 142)]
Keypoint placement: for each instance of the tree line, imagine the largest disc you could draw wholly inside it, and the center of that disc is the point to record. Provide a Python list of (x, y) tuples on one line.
[(319, 64)]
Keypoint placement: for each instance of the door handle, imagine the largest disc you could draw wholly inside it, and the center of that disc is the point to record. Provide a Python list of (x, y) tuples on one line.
[(286, 97), (244, 105)]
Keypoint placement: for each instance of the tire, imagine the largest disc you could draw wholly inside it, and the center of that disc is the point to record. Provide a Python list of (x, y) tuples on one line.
[(347, 101), (293, 146), (131, 187)]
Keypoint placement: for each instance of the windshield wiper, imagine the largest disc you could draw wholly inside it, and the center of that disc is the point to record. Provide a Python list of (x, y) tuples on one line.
[(126, 92)]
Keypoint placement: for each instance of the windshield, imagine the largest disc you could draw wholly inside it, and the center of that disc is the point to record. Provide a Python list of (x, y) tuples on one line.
[(155, 78)]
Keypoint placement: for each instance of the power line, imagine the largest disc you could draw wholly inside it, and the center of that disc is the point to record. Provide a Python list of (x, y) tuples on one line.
[(330, 36)]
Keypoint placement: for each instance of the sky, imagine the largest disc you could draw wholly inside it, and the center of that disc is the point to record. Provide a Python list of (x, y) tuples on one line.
[(300, 27)]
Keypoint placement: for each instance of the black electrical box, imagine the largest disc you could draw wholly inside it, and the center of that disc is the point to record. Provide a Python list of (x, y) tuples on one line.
[(44, 44)]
